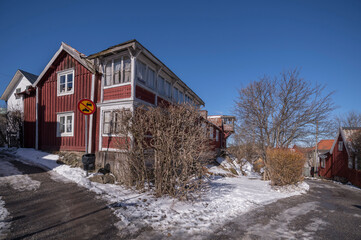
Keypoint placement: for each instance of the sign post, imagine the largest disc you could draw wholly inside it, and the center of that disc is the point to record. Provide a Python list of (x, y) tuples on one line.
[(86, 107)]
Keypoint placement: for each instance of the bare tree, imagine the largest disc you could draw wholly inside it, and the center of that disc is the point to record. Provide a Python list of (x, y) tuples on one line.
[(278, 112), (350, 119)]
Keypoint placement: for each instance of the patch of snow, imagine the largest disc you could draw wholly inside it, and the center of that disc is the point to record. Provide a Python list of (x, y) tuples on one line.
[(278, 227), (4, 225), (223, 199), (41, 159), (10, 175)]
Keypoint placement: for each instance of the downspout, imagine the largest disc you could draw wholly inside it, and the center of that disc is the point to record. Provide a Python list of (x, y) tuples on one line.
[(37, 119), (90, 134)]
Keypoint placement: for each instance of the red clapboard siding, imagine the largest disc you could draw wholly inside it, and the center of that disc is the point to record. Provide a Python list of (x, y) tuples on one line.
[(117, 92), (29, 120), (162, 102), (114, 142), (144, 95), (50, 104)]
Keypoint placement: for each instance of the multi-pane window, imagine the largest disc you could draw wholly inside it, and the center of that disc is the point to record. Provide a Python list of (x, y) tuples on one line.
[(150, 78), (180, 97), (175, 94), (112, 122), (118, 71), (66, 82), (17, 91), (160, 84), (65, 126), (350, 162), (340, 146), (146, 75), (168, 89), (217, 135), (211, 133)]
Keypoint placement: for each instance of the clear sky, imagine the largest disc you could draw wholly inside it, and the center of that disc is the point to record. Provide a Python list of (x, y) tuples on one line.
[(215, 47)]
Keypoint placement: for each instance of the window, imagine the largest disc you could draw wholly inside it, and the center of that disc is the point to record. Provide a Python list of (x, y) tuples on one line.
[(66, 82), (323, 162), (141, 71), (217, 135), (150, 78), (168, 88), (340, 146), (17, 91), (180, 97), (350, 162), (160, 86), (211, 133), (65, 124), (112, 122), (175, 94), (117, 71)]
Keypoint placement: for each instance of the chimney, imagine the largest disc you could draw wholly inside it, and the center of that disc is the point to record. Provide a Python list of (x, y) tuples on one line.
[(204, 113)]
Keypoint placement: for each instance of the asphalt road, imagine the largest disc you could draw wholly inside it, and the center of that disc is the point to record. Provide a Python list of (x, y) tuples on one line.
[(55, 210), (329, 211)]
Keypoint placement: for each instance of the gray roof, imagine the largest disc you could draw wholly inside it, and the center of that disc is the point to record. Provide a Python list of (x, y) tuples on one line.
[(31, 77)]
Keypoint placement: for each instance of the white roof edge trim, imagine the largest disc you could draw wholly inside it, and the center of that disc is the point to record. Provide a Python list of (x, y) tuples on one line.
[(340, 131), (70, 51), (15, 79)]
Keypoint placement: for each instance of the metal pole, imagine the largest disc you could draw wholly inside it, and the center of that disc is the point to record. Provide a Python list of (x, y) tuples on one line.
[(86, 138)]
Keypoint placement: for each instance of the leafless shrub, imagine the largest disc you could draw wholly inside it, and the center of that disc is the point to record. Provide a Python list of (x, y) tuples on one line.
[(284, 166), (167, 149)]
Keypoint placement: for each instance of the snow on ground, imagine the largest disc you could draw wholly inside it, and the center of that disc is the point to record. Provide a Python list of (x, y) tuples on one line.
[(4, 225), (10, 175), (225, 198)]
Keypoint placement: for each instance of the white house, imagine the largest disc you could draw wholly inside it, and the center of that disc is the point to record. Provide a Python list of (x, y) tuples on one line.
[(19, 83)]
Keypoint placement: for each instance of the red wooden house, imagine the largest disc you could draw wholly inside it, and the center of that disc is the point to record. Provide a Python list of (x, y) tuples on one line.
[(120, 77), (340, 161)]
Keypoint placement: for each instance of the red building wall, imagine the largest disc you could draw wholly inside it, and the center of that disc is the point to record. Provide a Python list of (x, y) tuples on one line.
[(339, 160), (50, 104), (29, 120), (144, 95), (327, 170), (117, 92)]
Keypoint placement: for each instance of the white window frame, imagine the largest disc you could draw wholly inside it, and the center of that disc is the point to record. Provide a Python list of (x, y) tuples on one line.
[(65, 134), (17, 91), (323, 162), (211, 133), (113, 72), (340, 146), (350, 163), (62, 73)]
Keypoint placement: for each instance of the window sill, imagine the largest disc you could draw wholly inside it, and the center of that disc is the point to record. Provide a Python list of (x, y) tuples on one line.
[(65, 135), (116, 85), (64, 94)]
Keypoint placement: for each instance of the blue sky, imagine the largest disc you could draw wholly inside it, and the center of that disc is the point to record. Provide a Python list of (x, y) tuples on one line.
[(215, 47)]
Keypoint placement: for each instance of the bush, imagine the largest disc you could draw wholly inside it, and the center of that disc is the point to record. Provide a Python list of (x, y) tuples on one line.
[(284, 166), (168, 150)]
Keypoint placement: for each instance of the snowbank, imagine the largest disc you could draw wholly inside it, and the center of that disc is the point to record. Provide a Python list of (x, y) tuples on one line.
[(225, 198), (4, 226)]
